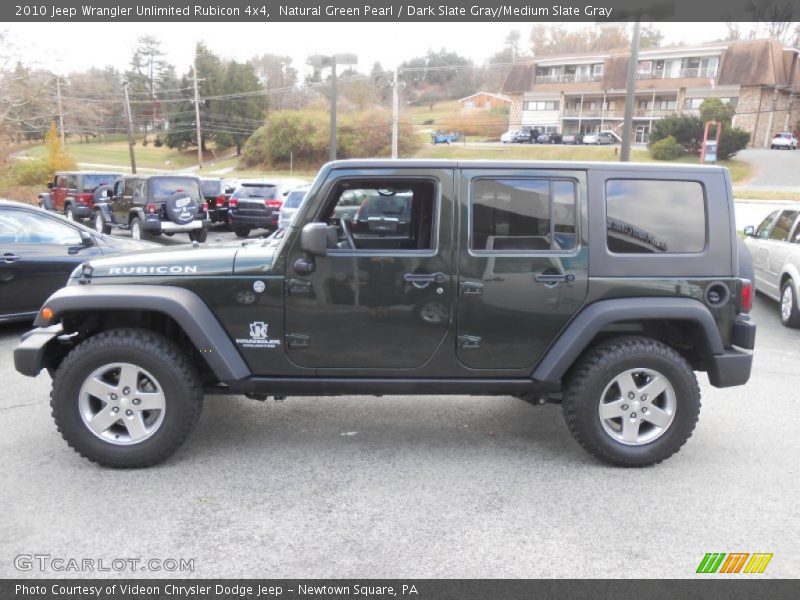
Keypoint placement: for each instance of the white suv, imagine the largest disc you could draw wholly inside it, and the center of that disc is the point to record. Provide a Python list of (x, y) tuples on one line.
[(782, 140)]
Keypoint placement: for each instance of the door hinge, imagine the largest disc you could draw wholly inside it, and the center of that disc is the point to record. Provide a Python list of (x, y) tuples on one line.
[(298, 287), (471, 288), (297, 340), (469, 342)]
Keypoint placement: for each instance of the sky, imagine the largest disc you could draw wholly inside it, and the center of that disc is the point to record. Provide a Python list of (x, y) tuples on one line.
[(64, 48)]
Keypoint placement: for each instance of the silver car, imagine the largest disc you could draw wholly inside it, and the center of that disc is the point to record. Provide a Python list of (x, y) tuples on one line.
[(291, 203), (775, 246)]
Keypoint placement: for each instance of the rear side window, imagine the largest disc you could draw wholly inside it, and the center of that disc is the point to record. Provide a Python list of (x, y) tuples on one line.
[(294, 199), (162, 188), (255, 191), (94, 181), (512, 215), (655, 216)]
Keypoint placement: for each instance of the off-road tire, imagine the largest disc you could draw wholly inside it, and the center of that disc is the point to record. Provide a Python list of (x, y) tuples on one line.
[(241, 232), (597, 368), (793, 319), (69, 214), (200, 236), (100, 224), (151, 351), (143, 235)]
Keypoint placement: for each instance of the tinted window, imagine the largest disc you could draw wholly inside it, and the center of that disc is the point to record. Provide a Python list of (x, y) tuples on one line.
[(523, 214), (783, 225), (162, 188), (294, 199), (255, 191), (23, 227), (212, 187), (90, 182), (655, 216)]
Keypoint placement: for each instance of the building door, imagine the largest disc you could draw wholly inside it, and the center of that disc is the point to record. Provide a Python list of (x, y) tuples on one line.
[(642, 134)]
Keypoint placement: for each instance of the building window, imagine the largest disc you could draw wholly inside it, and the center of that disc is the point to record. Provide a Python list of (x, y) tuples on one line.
[(542, 105), (597, 70), (655, 216), (511, 215)]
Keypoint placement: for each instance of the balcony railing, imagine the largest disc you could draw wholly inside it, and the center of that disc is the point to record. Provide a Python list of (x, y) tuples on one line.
[(567, 78), (680, 74), (594, 113)]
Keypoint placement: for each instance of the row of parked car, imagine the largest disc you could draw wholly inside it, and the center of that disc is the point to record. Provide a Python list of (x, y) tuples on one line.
[(532, 135), (150, 206)]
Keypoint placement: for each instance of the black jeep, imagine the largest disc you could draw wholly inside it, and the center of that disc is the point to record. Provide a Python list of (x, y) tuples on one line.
[(602, 287), (152, 205)]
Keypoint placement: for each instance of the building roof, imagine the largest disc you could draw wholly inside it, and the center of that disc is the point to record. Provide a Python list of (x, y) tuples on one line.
[(519, 79), (502, 97)]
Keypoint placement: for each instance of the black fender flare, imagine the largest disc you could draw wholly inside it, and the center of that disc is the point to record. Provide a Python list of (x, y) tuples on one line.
[(577, 336), (105, 210), (136, 211), (183, 306), (45, 200)]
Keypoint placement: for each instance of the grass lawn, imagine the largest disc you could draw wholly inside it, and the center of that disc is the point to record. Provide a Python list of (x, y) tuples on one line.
[(116, 153), (441, 113), (740, 170)]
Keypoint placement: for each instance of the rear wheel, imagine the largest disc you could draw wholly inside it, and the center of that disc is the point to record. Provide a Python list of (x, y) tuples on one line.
[(126, 398), (632, 401), (790, 316), (201, 235), (137, 232), (241, 232), (68, 213)]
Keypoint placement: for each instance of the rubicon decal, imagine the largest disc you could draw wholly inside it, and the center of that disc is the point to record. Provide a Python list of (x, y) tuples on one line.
[(734, 562), (154, 270)]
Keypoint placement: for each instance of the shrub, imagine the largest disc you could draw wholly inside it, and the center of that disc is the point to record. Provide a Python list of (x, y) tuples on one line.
[(731, 141), (687, 131), (35, 171), (158, 142), (666, 149), (304, 135)]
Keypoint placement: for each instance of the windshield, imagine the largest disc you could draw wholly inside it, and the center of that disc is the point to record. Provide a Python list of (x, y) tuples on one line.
[(162, 188), (91, 182), (255, 191), (294, 199)]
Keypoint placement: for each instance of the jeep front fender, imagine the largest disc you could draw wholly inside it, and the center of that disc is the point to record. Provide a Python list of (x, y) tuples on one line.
[(184, 307)]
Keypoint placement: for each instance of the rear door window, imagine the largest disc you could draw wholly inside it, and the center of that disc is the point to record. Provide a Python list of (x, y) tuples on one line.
[(655, 216), (780, 232), (162, 188)]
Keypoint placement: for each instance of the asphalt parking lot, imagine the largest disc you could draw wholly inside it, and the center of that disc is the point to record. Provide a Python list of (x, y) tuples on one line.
[(412, 486)]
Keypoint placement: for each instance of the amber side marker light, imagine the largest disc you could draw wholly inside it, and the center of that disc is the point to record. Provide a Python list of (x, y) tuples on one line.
[(47, 313)]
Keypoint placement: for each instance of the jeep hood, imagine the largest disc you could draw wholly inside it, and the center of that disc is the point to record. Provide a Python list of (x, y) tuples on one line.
[(173, 262)]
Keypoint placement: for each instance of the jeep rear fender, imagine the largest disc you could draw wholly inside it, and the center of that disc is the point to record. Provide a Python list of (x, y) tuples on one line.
[(591, 320), (184, 307), (105, 210)]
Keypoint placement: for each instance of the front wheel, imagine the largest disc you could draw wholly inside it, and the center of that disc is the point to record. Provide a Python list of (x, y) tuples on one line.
[(790, 316), (100, 223), (632, 401), (126, 398), (137, 232)]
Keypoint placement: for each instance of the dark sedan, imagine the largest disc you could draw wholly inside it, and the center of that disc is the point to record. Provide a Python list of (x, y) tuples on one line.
[(39, 250), (549, 138)]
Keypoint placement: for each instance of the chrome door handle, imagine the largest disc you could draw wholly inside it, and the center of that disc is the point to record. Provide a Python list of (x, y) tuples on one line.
[(424, 277), (10, 258)]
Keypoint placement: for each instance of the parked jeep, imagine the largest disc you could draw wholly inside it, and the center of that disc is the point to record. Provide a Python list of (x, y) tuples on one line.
[(217, 192), (152, 205), (600, 286), (72, 192)]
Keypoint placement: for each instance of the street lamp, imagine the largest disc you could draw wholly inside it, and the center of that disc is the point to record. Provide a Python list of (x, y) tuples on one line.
[(318, 61)]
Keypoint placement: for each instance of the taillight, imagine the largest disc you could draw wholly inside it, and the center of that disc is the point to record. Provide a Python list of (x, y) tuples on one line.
[(220, 201), (233, 203), (273, 203), (151, 209), (746, 295), (205, 206)]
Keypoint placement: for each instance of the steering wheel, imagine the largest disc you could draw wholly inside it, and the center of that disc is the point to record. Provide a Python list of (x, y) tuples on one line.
[(348, 234)]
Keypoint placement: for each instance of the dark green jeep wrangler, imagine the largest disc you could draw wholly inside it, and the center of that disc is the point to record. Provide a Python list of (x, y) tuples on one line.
[(602, 287)]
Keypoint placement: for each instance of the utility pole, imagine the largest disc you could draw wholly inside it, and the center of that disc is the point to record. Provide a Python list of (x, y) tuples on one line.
[(627, 124), (395, 111), (60, 113), (333, 110), (130, 128), (197, 115)]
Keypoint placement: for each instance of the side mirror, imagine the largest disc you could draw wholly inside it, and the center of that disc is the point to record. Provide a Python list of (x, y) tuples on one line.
[(87, 239), (749, 231), (313, 242), (49, 185)]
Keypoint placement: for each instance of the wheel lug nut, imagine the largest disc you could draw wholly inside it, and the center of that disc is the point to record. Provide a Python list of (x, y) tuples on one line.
[(631, 395), (644, 409), (137, 401), (624, 407), (644, 397), (633, 415), (112, 396), (115, 410), (126, 391), (129, 412)]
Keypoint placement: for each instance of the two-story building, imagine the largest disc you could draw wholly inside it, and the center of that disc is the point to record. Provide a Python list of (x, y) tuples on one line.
[(586, 92)]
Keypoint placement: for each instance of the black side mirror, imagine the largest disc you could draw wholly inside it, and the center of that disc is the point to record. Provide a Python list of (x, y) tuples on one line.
[(49, 185), (749, 231), (87, 239), (313, 242)]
